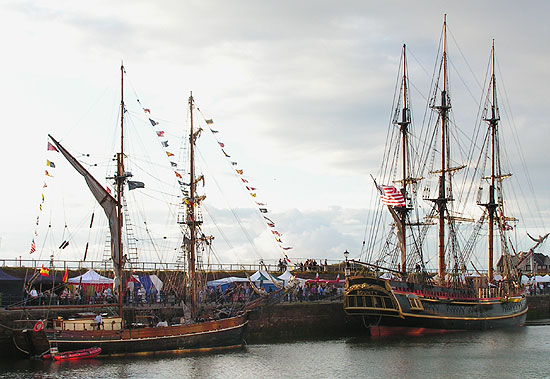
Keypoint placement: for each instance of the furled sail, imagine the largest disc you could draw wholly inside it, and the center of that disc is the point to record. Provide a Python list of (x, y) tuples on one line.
[(109, 205)]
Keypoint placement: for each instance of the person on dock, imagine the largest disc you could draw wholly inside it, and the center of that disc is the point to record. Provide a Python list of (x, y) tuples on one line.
[(99, 321)]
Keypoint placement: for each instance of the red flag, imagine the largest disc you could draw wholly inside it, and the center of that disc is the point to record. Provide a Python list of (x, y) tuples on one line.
[(177, 174), (146, 110), (66, 275), (160, 133), (169, 154), (52, 147), (33, 247)]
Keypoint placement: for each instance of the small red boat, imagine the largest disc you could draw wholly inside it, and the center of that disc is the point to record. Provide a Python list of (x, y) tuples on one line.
[(76, 354)]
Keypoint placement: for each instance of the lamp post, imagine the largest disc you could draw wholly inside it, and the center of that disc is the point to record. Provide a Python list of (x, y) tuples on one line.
[(347, 269)]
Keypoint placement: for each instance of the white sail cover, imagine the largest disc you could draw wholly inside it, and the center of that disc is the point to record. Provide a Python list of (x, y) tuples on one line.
[(109, 205)]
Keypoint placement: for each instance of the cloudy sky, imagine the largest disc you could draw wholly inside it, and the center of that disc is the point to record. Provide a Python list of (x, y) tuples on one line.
[(301, 93)]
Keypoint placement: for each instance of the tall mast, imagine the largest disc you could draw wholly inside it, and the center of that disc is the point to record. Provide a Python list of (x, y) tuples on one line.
[(404, 131), (191, 211), (493, 124), (120, 187), (442, 199)]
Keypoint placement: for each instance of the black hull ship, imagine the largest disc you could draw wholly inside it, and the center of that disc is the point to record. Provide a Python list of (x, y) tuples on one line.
[(393, 303), (202, 329), (382, 289)]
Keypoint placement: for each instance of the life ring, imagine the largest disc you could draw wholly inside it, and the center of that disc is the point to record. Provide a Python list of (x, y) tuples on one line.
[(38, 326)]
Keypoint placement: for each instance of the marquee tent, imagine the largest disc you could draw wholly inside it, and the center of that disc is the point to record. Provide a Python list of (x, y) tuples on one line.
[(91, 278)]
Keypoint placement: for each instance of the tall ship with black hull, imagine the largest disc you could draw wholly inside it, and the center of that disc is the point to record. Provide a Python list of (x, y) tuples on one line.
[(390, 286), (114, 335)]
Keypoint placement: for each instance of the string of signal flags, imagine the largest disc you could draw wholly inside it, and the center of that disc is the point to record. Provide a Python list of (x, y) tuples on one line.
[(252, 191)]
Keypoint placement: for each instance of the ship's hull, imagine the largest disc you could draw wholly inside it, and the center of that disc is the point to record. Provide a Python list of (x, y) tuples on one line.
[(396, 304), (199, 337)]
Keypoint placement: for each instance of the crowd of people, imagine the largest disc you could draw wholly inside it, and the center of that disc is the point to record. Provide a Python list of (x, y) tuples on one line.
[(308, 265)]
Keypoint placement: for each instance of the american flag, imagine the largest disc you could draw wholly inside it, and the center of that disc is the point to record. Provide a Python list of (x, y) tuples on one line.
[(33, 247), (392, 196)]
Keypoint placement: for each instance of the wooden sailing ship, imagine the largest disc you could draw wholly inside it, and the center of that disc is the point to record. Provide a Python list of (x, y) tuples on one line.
[(116, 336), (393, 291)]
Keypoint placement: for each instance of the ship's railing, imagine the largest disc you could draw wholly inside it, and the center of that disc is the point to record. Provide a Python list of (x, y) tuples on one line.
[(145, 266)]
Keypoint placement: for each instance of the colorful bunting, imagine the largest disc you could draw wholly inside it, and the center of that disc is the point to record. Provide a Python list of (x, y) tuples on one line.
[(52, 147), (169, 154), (174, 164), (160, 133), (48, 174), (221, 144), (227, 155), (252, 194), (33, 247), (240, 172), (66, 275), (164, 143), (263, 210), (178, 174), (153, 122), (209, 122), (50, 163), (146, 110)]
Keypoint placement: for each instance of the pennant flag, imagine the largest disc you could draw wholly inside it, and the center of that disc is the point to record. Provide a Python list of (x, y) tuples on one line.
[(146, 110), (33, 247), (133, 185), (160, 133), (48, 174), (233, 163), (261, 204), (391, 196), (42, 197), (252, 194), (40, 206), (50, 163), (287, 248), (240, 172), (263, 210), (214, 131), (66, 275), (44, 271), (276, 233), (227, 155), (174, 164), (37, 219), (108, 190), (164, 143), (178, 174), (45, 185), (278, 240), (269, 222), (153, 122), (221, 144), (244, 180), (209, 122), (250, 188), (169, 154), (52, 147)]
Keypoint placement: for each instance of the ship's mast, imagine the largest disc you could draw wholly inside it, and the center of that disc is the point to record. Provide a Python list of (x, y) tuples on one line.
[(404, 124), (493, 125), (120, 187), (191, 219), (442, 198)]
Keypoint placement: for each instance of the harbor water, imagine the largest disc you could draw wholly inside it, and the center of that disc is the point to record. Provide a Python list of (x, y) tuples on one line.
[(522, 352)]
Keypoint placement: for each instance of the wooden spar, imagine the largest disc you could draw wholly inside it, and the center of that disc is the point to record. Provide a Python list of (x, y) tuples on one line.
[(442, 200), (120, 188), (404, 130), (491, 206), (191, 212)]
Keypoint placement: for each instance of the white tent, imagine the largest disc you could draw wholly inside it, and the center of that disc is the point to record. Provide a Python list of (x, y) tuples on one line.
[(524, 279), (224, 281), (261, 275), (91, 277), (287, 276), (542, 279)]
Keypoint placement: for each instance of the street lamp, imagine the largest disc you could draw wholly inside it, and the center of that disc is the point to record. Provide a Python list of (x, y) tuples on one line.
[(347, 270)]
